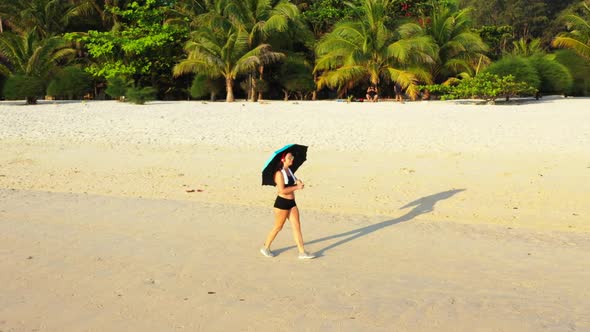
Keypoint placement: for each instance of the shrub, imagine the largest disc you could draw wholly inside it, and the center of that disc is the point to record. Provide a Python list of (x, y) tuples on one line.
[(260, 86), (24, 87), (202, 85), (434, 91), (199, 87), (578, 68), (70, 82), (116, 87), (140, 95), (295, 77), (483, 86), (520, 68), (555, 77), (510, 88), (300, 86)]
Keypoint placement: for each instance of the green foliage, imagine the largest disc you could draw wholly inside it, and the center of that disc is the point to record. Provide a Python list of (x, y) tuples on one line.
[(322, 15), (140, 96), (418, 8), (510, 88), (24, 87), (199, 87), (116, 87), (295, 77), (202, 86), (496, 37), (577, 37), (526, 17), (225, 46), (139, 47), (261, 85), (555, 77), (435, 91), (526, 48), (484, 86), (460, 50), (359, 41), (28, 59), (519, 67), (579, 68), (29, 55), (46, 17), (258, 85), (70, 82), (366, 50)]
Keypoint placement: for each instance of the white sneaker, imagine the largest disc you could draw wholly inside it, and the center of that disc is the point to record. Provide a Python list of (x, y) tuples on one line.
[(306, 255), (266, 252)]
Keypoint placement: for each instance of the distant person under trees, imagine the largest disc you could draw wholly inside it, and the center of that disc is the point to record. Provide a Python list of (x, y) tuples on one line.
[(399, 93), (372, 94)]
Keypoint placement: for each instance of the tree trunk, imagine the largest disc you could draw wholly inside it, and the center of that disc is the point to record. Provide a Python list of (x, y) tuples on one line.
[(253, 89), (314, 94), (32, 100), (229, 87), (286, 93), (261, 69)]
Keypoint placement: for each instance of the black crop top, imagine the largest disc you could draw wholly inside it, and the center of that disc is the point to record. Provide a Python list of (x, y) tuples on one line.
[(289, 178), (291, 182)]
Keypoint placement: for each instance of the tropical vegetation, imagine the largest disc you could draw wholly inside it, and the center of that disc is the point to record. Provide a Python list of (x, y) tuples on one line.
[(140, 50)]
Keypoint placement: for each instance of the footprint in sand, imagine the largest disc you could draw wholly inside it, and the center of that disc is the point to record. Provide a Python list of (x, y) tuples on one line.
[(407, 170)]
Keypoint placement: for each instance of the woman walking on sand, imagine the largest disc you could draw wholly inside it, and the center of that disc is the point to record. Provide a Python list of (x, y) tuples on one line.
[(285, 206)]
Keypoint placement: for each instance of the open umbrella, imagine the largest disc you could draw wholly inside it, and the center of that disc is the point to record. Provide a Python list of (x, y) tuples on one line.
[(273, 164)]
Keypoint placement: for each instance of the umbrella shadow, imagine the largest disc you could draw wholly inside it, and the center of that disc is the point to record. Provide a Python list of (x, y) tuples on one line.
[(420, 206)]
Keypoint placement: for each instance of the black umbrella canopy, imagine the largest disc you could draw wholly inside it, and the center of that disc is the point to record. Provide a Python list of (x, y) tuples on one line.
[(274, 163)]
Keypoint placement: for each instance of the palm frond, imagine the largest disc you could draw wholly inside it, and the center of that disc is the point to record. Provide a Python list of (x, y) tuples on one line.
[(261, 55), (4, 70), (577, 45), (457, 65), (409, 30), (188, 66), (276, 23), (341, 76)]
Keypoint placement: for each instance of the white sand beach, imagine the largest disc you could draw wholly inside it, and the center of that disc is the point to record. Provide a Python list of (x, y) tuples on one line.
[(426, 216)]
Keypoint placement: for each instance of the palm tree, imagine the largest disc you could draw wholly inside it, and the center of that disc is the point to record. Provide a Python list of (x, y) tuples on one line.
[(86, 8), (46, 17), (367, 50), (224, 54), (525, 48), (31, 57), (227, 41), (187, 12), (578, 38), (460, 51), (263, 20)]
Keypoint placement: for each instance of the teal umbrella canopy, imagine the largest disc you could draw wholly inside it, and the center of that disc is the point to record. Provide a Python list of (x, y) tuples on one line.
[(274, 163)]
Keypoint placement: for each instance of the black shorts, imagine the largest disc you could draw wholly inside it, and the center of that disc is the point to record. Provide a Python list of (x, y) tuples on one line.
[(284, 203)]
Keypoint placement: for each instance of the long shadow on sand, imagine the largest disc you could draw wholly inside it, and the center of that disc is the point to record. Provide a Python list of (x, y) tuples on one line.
[(421, 206)]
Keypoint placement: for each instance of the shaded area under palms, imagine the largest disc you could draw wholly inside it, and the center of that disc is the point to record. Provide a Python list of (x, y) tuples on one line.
[(420, 206)]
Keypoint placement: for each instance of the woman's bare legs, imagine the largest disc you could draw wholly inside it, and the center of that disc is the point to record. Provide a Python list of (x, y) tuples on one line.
[(280, 218), (296, 225)]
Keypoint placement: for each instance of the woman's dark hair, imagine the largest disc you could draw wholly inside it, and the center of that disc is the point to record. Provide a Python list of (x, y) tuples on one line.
[(280, 162)]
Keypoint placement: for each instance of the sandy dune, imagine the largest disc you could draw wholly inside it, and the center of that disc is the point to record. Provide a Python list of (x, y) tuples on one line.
[(426, 216)]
